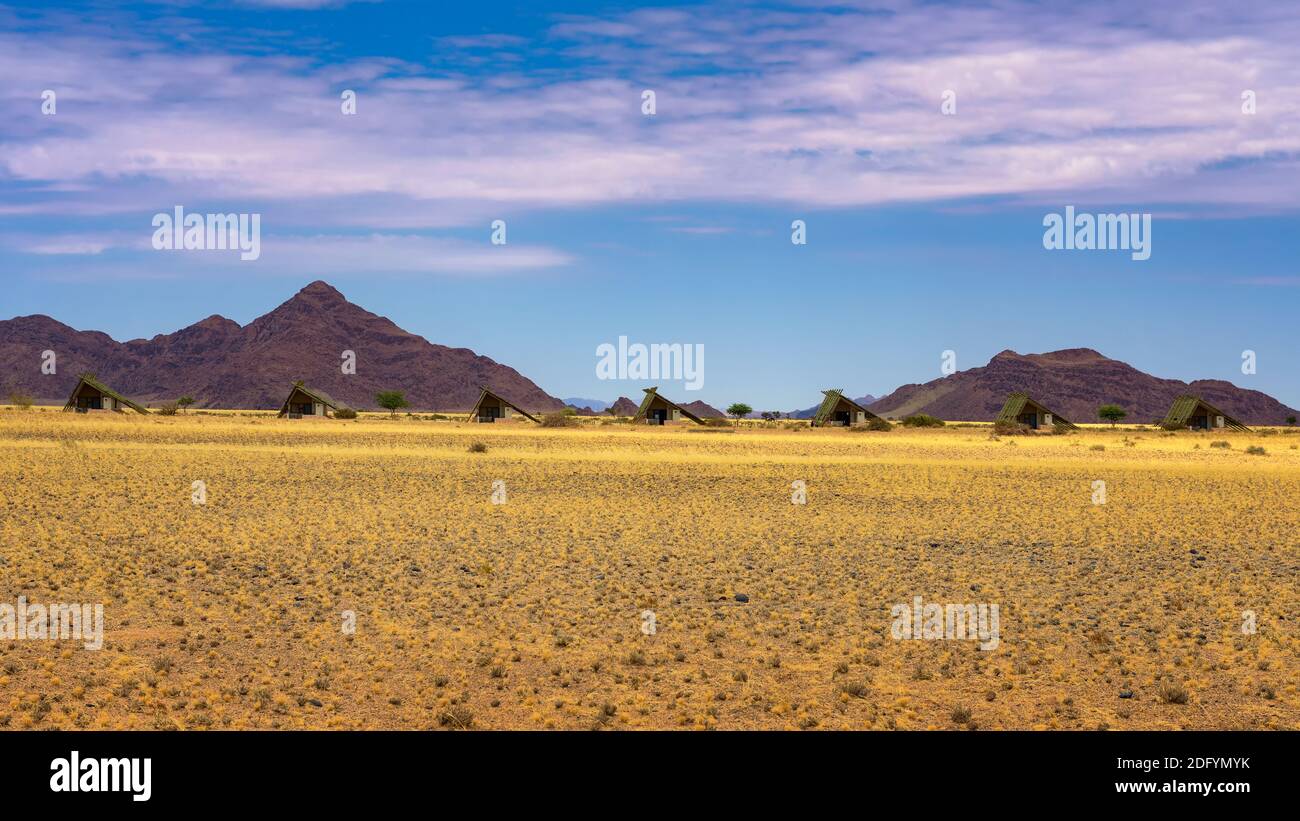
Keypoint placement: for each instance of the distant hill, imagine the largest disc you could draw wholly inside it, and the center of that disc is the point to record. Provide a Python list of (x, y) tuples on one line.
[(1074, 383), (222, 364), (624, 407), (702, 410), (597, 405)]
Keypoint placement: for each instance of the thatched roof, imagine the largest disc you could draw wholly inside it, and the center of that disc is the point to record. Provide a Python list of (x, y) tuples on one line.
[(650, 395), (316, 396), (1185, 406), (1015, 406), (89, 380), (485, 393), (834, 396)]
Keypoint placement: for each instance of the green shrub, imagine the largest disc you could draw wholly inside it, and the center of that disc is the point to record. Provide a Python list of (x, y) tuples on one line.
[(876, 424), (922, 420), (345, 413), (1004, 428)]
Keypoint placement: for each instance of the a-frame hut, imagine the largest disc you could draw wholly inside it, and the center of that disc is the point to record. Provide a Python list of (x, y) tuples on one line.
[(1021, 409), (92, 395), (839, 410), (492, 406), (304, 402), (658, 410), (1195, 413)]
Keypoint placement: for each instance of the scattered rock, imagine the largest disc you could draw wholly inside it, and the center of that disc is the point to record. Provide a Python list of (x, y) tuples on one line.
[(742, 598), (1125, 693)]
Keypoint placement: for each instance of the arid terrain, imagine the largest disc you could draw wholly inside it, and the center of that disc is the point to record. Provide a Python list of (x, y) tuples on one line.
[(507, 585)]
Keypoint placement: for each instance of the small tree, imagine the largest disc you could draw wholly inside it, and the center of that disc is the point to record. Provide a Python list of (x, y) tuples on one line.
[(739, 410), (771, 416), (185, 401), (392, 401), (1111, 413), (1290, 420)]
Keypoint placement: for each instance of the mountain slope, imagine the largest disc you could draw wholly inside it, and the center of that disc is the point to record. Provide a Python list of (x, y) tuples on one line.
[(1073, 382), (222, 364)]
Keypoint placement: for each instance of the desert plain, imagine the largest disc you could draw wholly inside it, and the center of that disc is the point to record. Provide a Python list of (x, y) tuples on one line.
[(412, 573)]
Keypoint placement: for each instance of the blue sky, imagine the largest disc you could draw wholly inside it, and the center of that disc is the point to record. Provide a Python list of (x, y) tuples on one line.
[(924, 229)]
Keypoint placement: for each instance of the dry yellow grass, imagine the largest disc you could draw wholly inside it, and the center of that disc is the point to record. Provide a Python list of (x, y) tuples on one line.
[(528, 614)]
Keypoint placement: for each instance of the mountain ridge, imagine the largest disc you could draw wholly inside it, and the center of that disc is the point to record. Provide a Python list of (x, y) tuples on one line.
[(1074, 382), (224, 364)]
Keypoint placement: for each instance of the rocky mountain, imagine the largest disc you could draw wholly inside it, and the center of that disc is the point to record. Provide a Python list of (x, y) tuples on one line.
[(224, 365), (624, 407), (1074, 383), (703, 410)]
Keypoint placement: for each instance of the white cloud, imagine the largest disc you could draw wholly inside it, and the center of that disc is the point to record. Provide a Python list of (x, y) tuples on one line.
[(820, 107)]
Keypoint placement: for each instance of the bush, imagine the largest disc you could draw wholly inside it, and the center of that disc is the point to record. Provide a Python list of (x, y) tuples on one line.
[(21, 400), (1004, 428), (922, 420), (1171, 693), (345, 413), (1173, 426), (477, 447), (715, 422), (1220, 444), (558, 419), (1256, 450), (168, 409), (876, 424)]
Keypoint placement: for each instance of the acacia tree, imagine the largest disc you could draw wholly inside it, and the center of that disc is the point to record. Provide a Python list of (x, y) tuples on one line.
[(185, 401), (1111, 413), (392, 400), (738, 410)]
